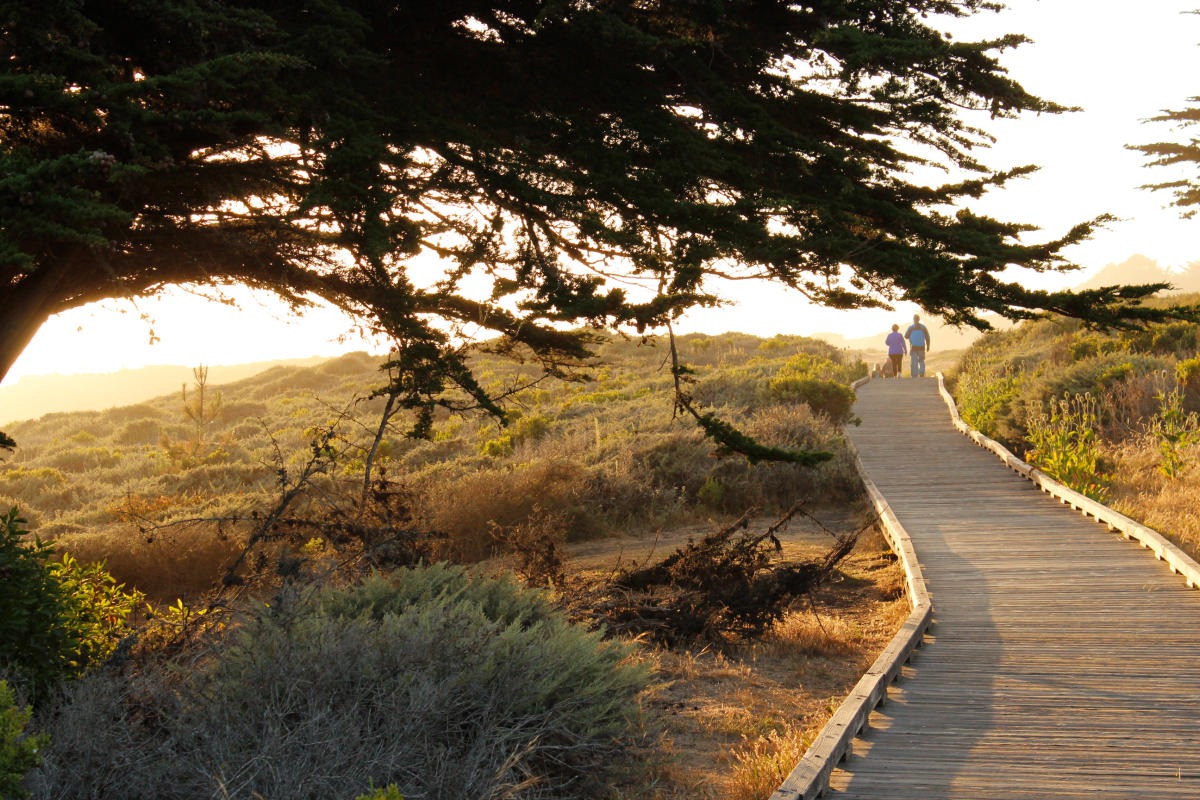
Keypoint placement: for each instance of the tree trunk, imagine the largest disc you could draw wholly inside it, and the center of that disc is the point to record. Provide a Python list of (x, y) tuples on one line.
[(23, 310)]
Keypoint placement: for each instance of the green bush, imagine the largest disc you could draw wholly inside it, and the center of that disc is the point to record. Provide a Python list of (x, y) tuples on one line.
[(985, 400), (711, 494), (437, 681), (1188, 372), (389, 792), (19, 751), (1172, 337), (501, 599), (834, 400), (57, 618), (808, 365), (1091, 375)]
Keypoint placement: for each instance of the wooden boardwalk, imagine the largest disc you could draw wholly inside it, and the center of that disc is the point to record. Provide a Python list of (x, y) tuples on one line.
[(1062, 662)]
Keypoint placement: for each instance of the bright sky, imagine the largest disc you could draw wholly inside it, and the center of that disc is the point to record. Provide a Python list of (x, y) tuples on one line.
[(1122, 62)]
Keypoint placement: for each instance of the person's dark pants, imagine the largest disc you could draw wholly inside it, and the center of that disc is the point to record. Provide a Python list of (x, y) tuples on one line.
[(897, 360)]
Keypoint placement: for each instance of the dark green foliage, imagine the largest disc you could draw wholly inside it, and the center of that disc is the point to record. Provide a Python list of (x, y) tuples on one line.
[(500, 599), (1185, 151), (18, 748), (442, 683), (317, 148), (834, 400), (57, 618)]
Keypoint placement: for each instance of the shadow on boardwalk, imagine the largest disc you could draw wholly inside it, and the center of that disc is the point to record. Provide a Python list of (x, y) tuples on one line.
[(1062, 662)]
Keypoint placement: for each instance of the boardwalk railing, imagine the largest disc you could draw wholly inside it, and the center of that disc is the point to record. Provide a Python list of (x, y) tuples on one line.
[(810, 778), (1179, 562)]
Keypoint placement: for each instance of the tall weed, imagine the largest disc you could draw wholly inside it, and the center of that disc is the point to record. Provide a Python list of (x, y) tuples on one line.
[(1175, 431), (1065, 445)]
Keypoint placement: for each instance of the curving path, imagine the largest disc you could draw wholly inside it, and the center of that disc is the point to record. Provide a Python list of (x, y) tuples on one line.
[(1062, 662)]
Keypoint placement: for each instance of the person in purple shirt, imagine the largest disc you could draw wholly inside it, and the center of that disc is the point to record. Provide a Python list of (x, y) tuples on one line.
[(896, 350)]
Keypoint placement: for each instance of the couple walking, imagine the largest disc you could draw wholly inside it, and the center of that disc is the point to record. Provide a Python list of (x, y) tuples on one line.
[(918, 342)]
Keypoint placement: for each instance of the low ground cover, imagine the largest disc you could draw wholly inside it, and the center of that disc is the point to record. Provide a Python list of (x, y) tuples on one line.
[(1111, 414)]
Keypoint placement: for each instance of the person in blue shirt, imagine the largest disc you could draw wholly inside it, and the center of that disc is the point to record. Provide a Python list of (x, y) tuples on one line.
[(918, 339), (896, 350)]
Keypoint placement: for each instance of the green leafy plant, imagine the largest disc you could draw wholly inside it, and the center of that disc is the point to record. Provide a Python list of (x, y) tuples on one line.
[(19, 750), (57, 618), (389, 792), (1188, 372), (1175, 430), (984, 398), (711, 494), (1065, 445)]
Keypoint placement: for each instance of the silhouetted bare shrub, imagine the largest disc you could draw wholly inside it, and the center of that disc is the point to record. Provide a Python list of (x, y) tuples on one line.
[(727, 585)]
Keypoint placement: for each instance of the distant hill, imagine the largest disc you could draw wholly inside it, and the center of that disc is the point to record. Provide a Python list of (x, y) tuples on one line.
[(35, 395), (944, 337), (1140, 269)]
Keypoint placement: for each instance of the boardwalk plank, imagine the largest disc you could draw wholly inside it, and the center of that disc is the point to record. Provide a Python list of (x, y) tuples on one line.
[(1062, 660)]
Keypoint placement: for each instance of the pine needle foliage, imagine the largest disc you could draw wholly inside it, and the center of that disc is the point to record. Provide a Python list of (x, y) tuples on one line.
[(1178, 155), (316, 149)]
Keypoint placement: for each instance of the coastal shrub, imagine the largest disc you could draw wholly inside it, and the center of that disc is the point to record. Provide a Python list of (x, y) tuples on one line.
[(57, 618), (1166, 338), (1094, 374), (809, 365), (985, 400), (465, 507), (440, 683), (834, 400), (139, 431), (520, 431), (19, 749)]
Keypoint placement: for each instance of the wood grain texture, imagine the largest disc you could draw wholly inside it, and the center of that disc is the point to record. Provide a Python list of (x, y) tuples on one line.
[(810, 778), (1062, 660)]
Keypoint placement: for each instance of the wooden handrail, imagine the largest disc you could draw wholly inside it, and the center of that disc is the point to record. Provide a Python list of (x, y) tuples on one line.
[(1176, 559), (810, 778)]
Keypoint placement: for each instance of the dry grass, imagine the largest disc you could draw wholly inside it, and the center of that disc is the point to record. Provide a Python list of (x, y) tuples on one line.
[(606, 455), (1169, 505), (761, 766), (737, 719)]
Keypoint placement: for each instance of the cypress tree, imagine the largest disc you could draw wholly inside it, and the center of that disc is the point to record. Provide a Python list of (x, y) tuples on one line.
[(314, 148)]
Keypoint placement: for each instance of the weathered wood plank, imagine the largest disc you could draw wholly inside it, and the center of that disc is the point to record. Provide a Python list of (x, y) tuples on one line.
[(1062, 660)]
